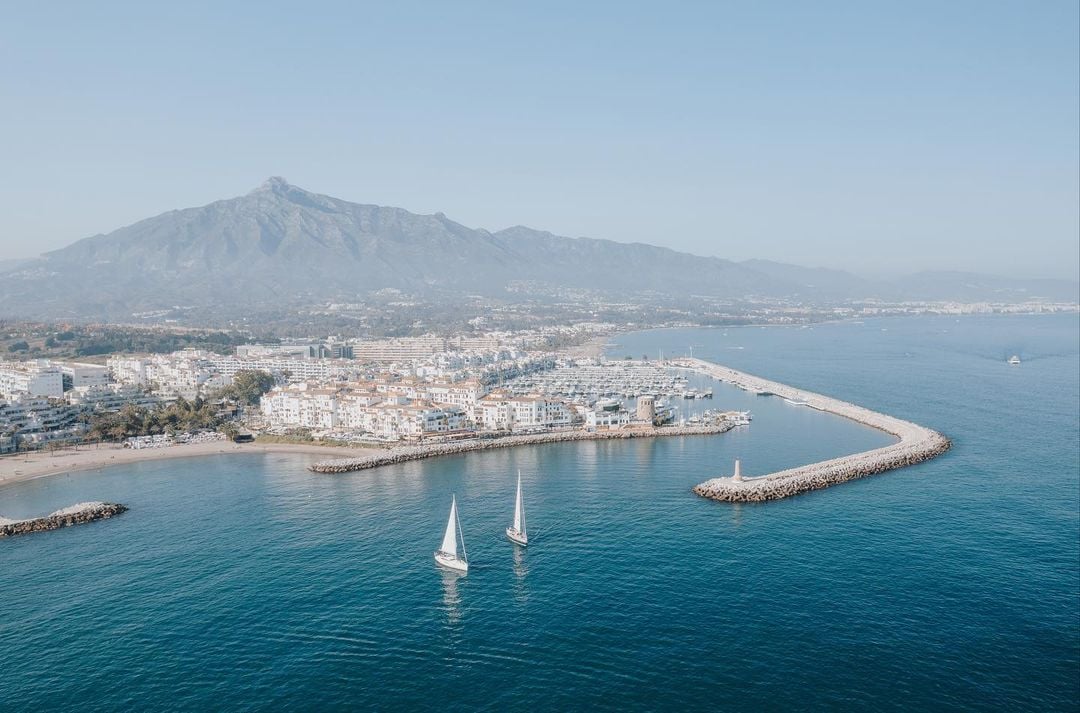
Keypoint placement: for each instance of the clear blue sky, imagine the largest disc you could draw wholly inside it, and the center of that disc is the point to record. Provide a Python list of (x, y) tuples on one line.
[(874, 136)]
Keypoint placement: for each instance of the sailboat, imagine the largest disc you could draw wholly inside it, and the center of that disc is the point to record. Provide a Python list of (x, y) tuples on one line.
[(447, 554), (517, 532)]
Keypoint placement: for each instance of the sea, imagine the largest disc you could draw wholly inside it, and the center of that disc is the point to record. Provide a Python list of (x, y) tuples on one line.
[(246, 582)]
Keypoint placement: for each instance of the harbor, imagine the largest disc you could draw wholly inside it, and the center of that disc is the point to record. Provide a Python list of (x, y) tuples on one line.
[(619, 382), (915, 443)]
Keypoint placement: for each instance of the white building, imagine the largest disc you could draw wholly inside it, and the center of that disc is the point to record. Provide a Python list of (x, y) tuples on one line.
[(500, 411), (110, 397), (605, 419), (352, 408), (82, 374), (35, 416), (127, 370), (30, 378)]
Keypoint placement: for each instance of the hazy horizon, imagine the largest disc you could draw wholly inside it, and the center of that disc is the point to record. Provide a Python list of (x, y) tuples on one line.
[(876, 140)]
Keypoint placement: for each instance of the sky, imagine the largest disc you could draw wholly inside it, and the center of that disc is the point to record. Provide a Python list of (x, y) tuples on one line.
[(879, 137)]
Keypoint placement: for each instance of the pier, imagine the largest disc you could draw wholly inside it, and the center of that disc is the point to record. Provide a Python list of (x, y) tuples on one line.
[(408, 453), (74, 515), (915, 445)]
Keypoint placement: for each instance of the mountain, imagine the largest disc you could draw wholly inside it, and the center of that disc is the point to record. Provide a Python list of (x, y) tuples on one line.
[(280, 245)]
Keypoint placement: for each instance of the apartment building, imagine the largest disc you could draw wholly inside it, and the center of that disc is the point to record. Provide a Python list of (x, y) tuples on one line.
[(30, 378)]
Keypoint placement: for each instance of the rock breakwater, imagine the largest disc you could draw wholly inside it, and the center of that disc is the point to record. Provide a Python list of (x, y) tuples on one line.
[(409, 453), (74, 515), (915, 445)]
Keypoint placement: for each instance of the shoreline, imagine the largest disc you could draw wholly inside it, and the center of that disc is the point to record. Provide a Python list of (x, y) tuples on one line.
[(916, 443), (23, 467)]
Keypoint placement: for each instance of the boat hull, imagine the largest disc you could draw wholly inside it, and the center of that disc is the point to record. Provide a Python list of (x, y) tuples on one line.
[(516, 537), (451, 562)]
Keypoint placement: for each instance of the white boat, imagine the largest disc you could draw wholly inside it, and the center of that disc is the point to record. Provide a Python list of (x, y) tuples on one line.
[(1014, 360), (517, 532), (447, 554)]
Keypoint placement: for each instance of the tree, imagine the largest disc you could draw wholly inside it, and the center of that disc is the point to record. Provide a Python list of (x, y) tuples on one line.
[(18, 347), (248, 386)]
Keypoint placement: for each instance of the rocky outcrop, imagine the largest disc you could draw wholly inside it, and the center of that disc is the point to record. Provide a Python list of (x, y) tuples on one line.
[(408, 453), (74, 515)]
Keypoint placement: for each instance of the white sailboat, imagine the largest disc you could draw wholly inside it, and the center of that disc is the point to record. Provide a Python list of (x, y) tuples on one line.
[(517, 532), (447, 554)]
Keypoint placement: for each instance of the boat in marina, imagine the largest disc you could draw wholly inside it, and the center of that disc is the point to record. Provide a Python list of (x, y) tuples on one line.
[(518, 532), (447, 555)]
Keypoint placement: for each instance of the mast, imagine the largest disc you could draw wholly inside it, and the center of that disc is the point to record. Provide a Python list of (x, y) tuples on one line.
[(449, 540)]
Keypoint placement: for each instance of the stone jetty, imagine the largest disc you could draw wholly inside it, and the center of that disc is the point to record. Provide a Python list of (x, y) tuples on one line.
[(74, 515), (915, 445), (408, 453)]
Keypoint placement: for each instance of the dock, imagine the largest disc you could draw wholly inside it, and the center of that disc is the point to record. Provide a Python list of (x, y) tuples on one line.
[(915, 443)]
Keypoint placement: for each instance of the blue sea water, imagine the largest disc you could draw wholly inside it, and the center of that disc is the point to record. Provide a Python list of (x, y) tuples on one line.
[(246, 582)]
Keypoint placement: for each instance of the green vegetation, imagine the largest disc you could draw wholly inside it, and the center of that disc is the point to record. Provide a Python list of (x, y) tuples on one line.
[(181, 416), (66, 341), (248, 387), (113, 340)]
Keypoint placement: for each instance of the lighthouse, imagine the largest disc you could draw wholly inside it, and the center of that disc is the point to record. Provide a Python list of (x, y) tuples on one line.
[(738, 472)]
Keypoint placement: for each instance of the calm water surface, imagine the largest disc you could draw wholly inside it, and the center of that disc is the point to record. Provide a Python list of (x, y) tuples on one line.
[(246, 582)]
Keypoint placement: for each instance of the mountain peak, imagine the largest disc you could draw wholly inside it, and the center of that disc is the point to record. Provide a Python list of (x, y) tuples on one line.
[(274, 184)]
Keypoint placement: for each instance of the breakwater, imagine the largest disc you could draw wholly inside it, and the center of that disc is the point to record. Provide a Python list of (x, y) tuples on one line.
[(409, 453), (915, 444), (74, 515)]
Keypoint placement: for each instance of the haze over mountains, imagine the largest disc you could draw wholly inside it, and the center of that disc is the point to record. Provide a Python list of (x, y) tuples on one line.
[(281, 245)]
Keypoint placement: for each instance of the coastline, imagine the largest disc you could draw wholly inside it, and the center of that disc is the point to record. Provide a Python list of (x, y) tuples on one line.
[(21, 467)]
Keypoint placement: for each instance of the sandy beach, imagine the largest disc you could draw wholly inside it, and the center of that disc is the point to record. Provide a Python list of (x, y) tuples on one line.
[(27, 466)]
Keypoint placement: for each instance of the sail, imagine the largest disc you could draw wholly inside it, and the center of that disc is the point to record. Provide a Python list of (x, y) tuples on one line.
[(517, 507), (449, 540)]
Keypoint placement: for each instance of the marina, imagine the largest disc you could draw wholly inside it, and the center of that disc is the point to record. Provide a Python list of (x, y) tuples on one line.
[(609, 380)]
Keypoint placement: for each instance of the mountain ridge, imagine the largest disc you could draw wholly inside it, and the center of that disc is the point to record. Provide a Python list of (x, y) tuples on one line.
[(281, 243)]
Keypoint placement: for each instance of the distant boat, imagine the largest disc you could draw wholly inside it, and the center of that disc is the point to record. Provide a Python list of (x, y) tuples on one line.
[(1014, 360), (517, 532), (447, 554)]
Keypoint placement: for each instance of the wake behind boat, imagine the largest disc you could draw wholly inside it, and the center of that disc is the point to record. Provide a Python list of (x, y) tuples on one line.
[(447, 554), (517, 532)]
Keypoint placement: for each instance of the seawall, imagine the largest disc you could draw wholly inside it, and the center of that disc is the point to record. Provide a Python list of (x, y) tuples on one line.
[(915, 445), (74, 515), (409, 453)]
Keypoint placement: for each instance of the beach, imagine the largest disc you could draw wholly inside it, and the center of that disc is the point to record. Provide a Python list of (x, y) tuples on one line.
[(21, 467)]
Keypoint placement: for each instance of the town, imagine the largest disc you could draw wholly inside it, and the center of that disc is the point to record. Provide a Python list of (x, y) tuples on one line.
[(367, 392)]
